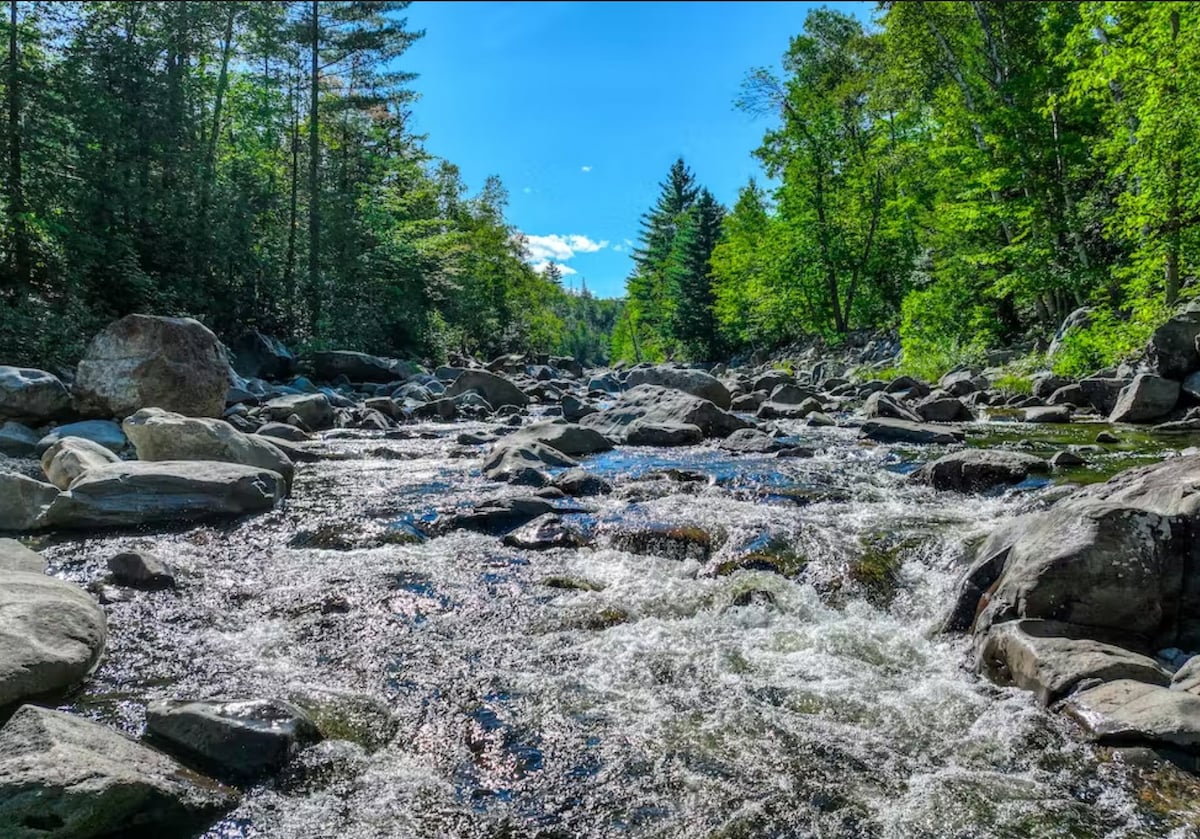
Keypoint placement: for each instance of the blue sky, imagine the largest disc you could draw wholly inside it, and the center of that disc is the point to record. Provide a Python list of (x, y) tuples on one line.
[(581, 108)]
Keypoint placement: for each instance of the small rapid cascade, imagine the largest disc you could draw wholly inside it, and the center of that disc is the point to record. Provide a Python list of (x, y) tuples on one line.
[(779, 675)]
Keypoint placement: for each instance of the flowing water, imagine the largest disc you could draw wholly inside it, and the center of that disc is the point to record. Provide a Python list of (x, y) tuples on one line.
[(494, 692)]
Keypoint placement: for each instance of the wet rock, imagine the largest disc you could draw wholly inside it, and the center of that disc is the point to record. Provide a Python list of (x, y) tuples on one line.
[(1072, 395), (33, 396), (817, 419), (132, 493), (497, 390), (758, 597), (359, 367), (51, 635), (102, 432), (500, 515), (162, 436), (1127, 712), (239, 740), (568, 438), (24, 502), (143, 361), (445, 409), (960, 383), (579, 483), (934, 408), (607, 383), (642, 433), (795, 452), (1046, 385), (666, 539), (978, 470), (545, 532), (882, 406), (751, 441), (283, 431), (259, 356), (903, 431), (694, 382), (16, 557), (790, 394), (1053, 414), (17, 440), (65, 777), (1051, 659), (1144, 399), (522, 463), (780, 410), (1066, 460), (1112, 556), (141, 569), (1103, 392), (331, 765), (574, 409), (748, 402), (572, 584), (1107, 437), (1171, 351), (652, 404), (71, 457), (313, 410), (475, 438)]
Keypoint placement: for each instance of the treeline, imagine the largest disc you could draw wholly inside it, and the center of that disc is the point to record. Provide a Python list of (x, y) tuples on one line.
[(250, 164), (969, 172)]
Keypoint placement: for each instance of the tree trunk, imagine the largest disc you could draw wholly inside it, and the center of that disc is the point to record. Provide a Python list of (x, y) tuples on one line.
[(16, 192), (210, 156), (314, 195)]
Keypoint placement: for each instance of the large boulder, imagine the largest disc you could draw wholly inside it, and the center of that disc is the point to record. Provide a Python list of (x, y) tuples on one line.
[(1171, 351), (523, 462), (567, 437), (1128, 712), (358, 367), (24, 501), (160, 435), (643, 433), (1103, 392), (1113, 558), (141, 361), (1051, 659), (751, 441), (666, 406), (132, 493), (241, 739), (71, 457), (497, 390), (695, 382), (66, 777), (1145, 399), (313, 409), (259, 356), (881, 405), (52, 634), (903, 431), (978, 470), (32, 396)]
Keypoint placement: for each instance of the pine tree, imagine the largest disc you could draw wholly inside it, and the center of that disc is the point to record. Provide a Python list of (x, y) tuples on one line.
[(693, 323)]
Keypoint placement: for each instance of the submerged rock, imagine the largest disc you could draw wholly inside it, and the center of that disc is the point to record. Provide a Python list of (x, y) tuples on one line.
[(570, 439), (64, 777), (676, 541), (545, 532), (579, 482), (238, 740), (143, 361), (522, 463), (141, 569), (751, 441), (52, 634)]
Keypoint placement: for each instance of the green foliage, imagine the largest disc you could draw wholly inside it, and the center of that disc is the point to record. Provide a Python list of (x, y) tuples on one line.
[(1107, 341)]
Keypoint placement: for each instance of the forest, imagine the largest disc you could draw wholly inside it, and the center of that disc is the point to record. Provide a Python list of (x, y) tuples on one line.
[(252, 165), (965, 173)]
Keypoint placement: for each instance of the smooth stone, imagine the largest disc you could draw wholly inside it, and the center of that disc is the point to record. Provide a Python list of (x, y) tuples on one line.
[(33, 396), (283, 431), (16, 557), (579, 483), (903, 431), (17, 440), (66, 777), (643, 433), (24, 502), (662, 406), (1144, 399), (978, 470), (1065, 459), (570, 439), (141, 569), (1051, 414), (1128, 712), (750, 441), (102, 432), (72, 457), (694, 382), (543, 533), (313, 409), (497, 390)]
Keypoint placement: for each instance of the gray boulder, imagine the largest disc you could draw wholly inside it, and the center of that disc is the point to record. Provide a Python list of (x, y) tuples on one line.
[(17, 440), (1050, 414), (240, 740), (574, 409), (16, 557), (903, 431), (1048, 383), (1071, 394), (1103, 392), (579, 482), (32, 396), (52, 634), (523, 463), (784, 410), (359, 367), (751, 441), (543, 533), (1128, 712), (283, 431), (141, 569), (1051, 658), (642, 433), (143, 361), (24, 502), (568, 438), (1171, 351), (943, 408), (71, 457), (881, 405), (132, 493), (313, 409), (659, 405), (978, 470), (1145, 399), (497, 390), (102, 432), (160, 435), (959, 383), (65, 777), (696, 382), (259, 356)]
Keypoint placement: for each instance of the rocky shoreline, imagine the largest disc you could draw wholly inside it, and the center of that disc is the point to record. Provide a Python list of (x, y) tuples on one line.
[(1088, 600)]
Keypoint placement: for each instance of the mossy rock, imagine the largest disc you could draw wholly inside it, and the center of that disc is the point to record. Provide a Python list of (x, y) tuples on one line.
[(572, 583), (876, 570), (673, 541), (605, 618), (358, 718), (327, 537), (776, 556)]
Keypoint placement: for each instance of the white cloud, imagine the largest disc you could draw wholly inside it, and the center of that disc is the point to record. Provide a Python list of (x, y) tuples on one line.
[(585, 168), (618, 248), (560, 248), (542, 265), (527, 190), (629, 243)]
